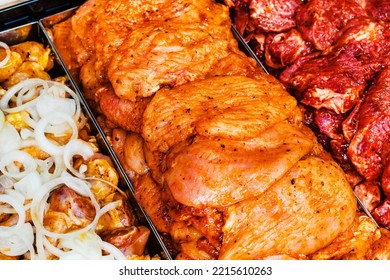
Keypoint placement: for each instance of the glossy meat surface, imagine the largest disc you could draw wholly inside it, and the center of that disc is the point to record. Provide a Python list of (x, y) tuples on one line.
[(329, 60), (319, 21), (222, 172), (166, 54), (373, 122), (289, 219), (207, 157), (234, 107)]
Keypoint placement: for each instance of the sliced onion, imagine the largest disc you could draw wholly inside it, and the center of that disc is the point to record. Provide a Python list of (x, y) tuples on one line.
[(6, 182), (9, 138), (49, 104), (19, 241), (21, 89), (76, 147), (39, 202), (43, 142), (8, 167), (83, 246), (15, 203), (26, 133), (78, 116), (2, 119), (7, 54), (112, 250), (29, 185)]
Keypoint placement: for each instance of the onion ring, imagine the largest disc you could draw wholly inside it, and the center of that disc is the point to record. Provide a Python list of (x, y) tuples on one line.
[(7, 54), (8, 162)]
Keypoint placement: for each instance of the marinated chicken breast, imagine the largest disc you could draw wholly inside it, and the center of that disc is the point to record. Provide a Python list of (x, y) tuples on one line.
[(221, 172), (166, 54), (300, 214), (234, 107)]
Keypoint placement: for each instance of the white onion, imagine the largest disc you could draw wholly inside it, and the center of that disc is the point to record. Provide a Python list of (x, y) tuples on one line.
[(43, 142), (76, 147), (29, 185), (38, 204), (6, 182), (48, 104), (46, 107), (19, 241), (8, 167), (26, 133), (2, 119), (83, 246), (17, 91), (7, 54), (9, 139), (17, 205), (112, 250), (78, 116)]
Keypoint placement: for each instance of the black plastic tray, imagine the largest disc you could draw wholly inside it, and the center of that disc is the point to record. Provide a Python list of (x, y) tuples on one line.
[(32, 10)]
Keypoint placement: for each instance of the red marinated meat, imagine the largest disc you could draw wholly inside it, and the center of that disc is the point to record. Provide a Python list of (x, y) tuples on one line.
[(373, 129), (240, 14), (329, 123), (381, 214), (273, 15), (283, 49), (366, 39), (369, 194), (319, 21), (334, 82), (386, 180), (378, 9)]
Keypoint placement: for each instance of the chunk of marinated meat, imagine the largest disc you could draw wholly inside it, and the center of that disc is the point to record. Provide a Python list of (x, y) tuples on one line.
[(369, 194), (381, 214), (319, 21), (124, 113), (329, 123), (303, 212), (380, 249), (373, 123), (378, 9), (131, 241), (366, 39), (68, 211), (273, 15), (283, 49), (335, 82)]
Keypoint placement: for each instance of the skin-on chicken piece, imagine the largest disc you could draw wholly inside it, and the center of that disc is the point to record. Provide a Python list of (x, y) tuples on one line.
[(124, 113), (221, 172), (103, 26), (300, 214), (352, 244), (166, 54), (233, 107)]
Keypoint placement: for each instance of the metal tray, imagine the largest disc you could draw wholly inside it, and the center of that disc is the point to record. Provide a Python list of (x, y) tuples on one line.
[(35, 31), (19, 12)]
